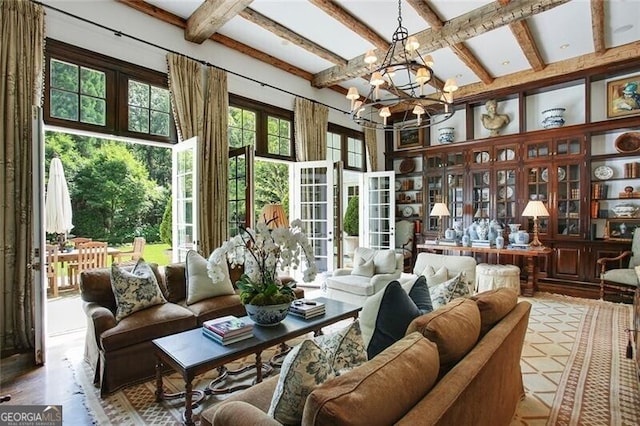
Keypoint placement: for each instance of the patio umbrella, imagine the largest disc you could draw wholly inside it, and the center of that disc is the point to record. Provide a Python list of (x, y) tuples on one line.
[(57, 204)]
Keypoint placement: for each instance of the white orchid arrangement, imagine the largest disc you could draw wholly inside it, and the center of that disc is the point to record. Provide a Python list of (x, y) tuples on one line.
[(263, 252)]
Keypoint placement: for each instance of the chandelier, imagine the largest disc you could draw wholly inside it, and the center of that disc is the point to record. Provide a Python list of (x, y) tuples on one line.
[(402, 75)]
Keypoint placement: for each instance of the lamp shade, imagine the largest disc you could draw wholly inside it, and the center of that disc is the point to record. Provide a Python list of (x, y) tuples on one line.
[(440, 209), (274, 216), (535, 209)]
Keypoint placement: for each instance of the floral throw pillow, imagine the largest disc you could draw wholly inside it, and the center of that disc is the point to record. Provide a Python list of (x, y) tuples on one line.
[(304, 368), (310, 364), (449, 290), (135, 290)]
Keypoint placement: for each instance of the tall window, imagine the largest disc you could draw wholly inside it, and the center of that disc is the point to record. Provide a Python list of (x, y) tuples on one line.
[(88, 91), (242, 127), (346, 145)]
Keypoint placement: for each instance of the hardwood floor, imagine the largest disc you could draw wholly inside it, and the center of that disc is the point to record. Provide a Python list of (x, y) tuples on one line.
[(52, 383)]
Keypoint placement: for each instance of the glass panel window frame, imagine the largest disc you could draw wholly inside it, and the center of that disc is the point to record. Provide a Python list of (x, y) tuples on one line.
[(117, 75), (352, 147)]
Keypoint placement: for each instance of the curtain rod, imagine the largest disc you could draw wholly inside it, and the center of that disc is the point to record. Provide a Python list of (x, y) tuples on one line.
[(119, 33)]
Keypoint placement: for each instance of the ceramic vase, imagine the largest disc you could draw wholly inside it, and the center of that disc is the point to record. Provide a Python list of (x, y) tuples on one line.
[(513, 229), (522, 237), (450, 234), (499, 241), (466, 240), (268, 315), (445, 134), (553, 118)]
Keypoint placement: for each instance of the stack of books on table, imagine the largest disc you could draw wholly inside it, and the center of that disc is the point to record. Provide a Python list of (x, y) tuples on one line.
[(306, 308), (447, 242), (481, 243), (228, 329)]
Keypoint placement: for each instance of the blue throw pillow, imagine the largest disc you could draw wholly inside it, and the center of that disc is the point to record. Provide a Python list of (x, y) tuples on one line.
[(389, 313)]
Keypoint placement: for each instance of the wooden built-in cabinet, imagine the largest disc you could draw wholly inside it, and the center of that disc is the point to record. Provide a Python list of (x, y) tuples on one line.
[(495, 178)]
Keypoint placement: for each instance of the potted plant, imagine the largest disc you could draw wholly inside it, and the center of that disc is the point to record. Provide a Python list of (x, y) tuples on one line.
[(263, 252), (352, 226)]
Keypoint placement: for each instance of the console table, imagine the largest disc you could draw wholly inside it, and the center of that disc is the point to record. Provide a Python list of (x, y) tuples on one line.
[(532, 255)]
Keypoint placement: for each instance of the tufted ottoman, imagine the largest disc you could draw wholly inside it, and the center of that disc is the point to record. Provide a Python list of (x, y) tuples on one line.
[(489, 277)]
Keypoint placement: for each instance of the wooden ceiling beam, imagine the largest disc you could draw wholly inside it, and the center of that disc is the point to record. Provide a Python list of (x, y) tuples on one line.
[(351, 22), (523, 36), (210, 16), (179, 22), (460, 49), (295, 38), (597, 22), (457, 30)]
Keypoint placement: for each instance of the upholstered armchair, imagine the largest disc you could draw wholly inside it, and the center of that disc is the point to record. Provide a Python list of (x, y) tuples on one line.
[(621, 279), (372, 271)]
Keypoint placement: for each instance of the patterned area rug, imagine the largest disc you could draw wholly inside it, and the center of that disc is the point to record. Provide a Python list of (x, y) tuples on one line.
[(574, 364), (599, 385)]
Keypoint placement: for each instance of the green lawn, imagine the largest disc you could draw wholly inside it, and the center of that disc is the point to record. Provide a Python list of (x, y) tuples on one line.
[(153, 253)]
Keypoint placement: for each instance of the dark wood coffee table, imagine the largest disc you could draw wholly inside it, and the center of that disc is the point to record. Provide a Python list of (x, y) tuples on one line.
[(190, 353)]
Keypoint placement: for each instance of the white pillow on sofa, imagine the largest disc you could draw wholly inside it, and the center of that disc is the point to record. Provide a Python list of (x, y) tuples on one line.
[(435, 277), (199, 285), (385, 261), (363, 267)]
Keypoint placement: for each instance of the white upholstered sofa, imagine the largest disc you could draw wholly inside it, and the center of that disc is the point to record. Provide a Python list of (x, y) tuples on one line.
[(372, 271), (453, 264)]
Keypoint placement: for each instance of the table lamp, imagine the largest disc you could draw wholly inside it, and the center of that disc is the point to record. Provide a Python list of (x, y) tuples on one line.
[(274, 216), (535, 209), (440, 209)]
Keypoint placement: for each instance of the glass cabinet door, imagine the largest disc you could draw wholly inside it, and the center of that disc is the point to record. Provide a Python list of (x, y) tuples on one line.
[(538, 189), (568, 196), (481, 188), (505, 196), (455, 196), (538, 150), (435, 186)]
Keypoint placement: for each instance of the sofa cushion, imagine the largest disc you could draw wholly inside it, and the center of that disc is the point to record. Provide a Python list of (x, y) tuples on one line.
[(215, 307), (311, 363), (176, 282), (444, 293), (355, 284), (345, 348), (454, 328), (411, 364), (435, 277), (304, 368), (147, 324), (363, 267), (385, 261), (200, 285), (386, 315), (135, 290), (95, 285), (494, 305)]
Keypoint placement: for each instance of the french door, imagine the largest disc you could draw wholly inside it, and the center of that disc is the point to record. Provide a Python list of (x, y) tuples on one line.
[(39, 257), (312, 202), (185, 198), (378, 208), (240, 189)]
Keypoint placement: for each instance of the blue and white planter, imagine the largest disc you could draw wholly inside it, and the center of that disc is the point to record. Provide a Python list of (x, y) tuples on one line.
[(553, 118), (446, 134), (268, 315)]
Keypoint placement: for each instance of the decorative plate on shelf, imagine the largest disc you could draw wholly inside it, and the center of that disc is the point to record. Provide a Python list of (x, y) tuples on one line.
[(486, 178), (603, 172), (502, 177), (417, 184), (407, 211), (507, 155), (561, 174), (505, 193), (398, 185), (482, 157), (407, 165)]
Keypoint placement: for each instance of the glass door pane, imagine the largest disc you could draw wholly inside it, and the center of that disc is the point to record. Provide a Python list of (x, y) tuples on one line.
[(481, 181), (506, 196), (379, 201), (312, 203), (240, 193), (185, 200), (568, 215)]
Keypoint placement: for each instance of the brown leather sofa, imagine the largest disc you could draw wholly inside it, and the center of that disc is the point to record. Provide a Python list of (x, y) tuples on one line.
[(121, 353), (459, 365)]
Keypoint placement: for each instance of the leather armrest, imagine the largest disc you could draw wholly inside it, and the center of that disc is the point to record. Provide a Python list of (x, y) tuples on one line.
[(102, 319), (239, 413)]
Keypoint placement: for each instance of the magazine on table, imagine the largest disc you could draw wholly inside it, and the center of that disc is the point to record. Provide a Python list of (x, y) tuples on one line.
[(228, 326), (226, 340), (307, 308)]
